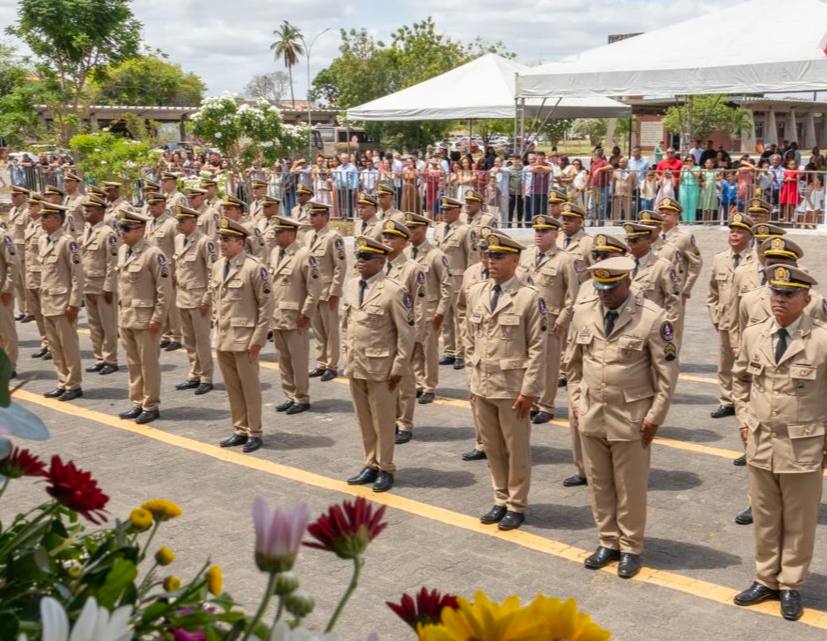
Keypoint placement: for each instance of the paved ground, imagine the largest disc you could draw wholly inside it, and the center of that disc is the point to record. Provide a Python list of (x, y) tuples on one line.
[(696, 556)]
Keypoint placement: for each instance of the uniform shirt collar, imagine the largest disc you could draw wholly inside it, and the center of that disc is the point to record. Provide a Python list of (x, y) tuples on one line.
[(792, 328)]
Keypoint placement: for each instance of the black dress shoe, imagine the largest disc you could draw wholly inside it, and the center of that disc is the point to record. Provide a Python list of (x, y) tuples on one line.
[(367, 475), (511, 521), (108, 368), (147, 416), (384, 482), (70, 394), (459, 363), (297, 408), (723, 410), (745, 517), (40, 353), (474, 455), (562, 382), (419, 391), (47, 356), (135, 412), (234, 440), (756, 593), (95, 368), (533, 413), (284, 406), (447, 360), (13, 374), (542, 417), (19, 317), (629, 565), (252, 444), (164, 342), (172, 346), (329, 375), (575, 481), (494, 515), (58, 391), (601, 558), (791, 608), (28, 318), (740, 461), (316, 372), (203, 388), (187, 385), (403, 436), (426, 398)]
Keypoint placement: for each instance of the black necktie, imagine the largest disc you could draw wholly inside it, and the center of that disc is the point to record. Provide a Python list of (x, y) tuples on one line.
[(637, 265), (736, 260), (495, 296), (566, 241), (663, 236), (363, 285), (485, 274), (226, 269), (538, 259), (128, 253), (781, 345), (315, 238), (281, 255), (609, 322), (388, 270), (414, 251), (763, 277)]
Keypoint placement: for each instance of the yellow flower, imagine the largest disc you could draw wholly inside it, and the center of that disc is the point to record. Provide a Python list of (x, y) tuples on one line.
[(164, 556), (484, 620), (140, 518), (172, 583), (162, 509), (215, 581), (560, 620)]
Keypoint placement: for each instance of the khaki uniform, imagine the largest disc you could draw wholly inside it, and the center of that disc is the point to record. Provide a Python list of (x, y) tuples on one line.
[(369, 363), (110, 215), (254, 245), (372, 228), (483, 219), (656, 278), (578, 245), (208, 218), (194, 257), (458, 242), (174, 199), (746, 278), (616, 383), (393, 214), (161, 232), (439, 289), (328, 248), (301, 214), (74, 212), (61, 286), (721, 301), (255, 210), (32, 277), (9, 266), (556, 280), (18, 223), (144, 293), (296, 286), (506, 347), (755, 307), (783, 404), (268, 235), (99, 257), (679, 248)]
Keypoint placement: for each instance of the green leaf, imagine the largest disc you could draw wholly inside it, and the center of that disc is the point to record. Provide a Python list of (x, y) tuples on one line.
[(120, 576), (154, 611), (41, 558), (9, 625)]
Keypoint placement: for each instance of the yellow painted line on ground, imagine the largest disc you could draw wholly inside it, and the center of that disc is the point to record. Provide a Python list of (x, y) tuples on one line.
[(698, 379), (670, 580)]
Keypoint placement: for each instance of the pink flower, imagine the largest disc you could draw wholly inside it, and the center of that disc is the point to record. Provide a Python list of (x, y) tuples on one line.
[(278, 535)]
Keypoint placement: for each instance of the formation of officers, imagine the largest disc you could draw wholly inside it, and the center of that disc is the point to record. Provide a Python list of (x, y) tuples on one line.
[(602, 315)]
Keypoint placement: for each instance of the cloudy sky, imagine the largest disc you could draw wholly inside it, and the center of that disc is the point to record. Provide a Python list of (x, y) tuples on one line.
[(227, 42)]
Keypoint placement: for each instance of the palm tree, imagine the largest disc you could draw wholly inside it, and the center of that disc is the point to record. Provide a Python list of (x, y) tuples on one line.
[(289, 45)]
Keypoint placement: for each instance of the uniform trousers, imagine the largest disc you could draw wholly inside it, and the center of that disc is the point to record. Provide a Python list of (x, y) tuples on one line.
[(725, 362), (241, 378), (196, 330), (8, 332), (33, 308), (325, 323), (172, 324), (618, 474), (375, 405), (425, 360), (451, 331), (65, 347), (294, 355), (478, 446), (405, 401), (576, 444), (554, 346), (143, 355), (103, 327), (785, 514), (20, 279), (507, 443)]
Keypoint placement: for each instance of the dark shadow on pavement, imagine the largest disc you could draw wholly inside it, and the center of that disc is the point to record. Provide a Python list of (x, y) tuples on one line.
[(430, 433), (288, 441), (693, 435), (550, 516), (545, 455), (699, 368), (331, 406), (814, 591), (453, 393), (105, 393), (673, 480), (665, 554), (426, 477), (194, 413), (695, 399)]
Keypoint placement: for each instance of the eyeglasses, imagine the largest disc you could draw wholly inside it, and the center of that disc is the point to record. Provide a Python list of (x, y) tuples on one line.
[(366, 256), (494, 255)]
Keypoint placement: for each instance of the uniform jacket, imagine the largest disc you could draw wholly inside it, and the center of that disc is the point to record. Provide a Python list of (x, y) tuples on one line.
[(679, 247), (18, 222), (439, 287), (746, 278), (391, 214), (296, 284), (144, 285), (371, 228), (580, 246), (208, 221), (755, 307), (34, 231), (161, 231), (458, 242), (74, 211), (658, 281), (9, 263), (61, 283), (110, 215), (556, 281), (194, 257), (242, 303), (482, 219), (721, 297), (409, 274), (328, 248), (99, 257)]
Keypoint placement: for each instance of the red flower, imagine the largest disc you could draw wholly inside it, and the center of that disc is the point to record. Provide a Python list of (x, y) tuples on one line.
[(427, 609), (77, 490), (22, 463), (347, 529)]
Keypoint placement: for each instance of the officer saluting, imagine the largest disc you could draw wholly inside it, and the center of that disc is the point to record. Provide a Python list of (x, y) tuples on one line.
[(780, 391)]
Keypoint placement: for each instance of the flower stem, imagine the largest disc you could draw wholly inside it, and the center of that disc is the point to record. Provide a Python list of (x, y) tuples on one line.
[(30, 529), (149, 540), (279, 610), (354, 580), (262, 608), (4, 486)]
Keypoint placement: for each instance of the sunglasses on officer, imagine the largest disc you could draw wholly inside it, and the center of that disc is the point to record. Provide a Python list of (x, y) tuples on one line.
[(635, 241), (127, 228), (366, 256), (494, 255)]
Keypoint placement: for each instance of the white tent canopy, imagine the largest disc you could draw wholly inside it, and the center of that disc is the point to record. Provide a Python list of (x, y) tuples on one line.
[(482, 88), (753, 47)]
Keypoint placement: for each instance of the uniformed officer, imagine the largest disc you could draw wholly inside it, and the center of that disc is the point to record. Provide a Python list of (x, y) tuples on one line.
[(474, 214), (73, 201), (384, 201), (556, 199), (505, 340), (759, 211), (169, 189), (161, 230), (551, 270), (144, 294), (259, 190), (653, 276), (780, 392), (34, 231), (61, 294), (408, 273), (99, 257), (328, 248), (254, 245), (208, 217), (721, 297), (679, 247), (296, 286), (55, 195), (574, 238), (458, 242), (9, 266), (212, 200), (149, 187), (266, 217), (195, 254), (438, 294), (376, 306), (299, 213), (113, 201), (18, 222), (622, 371), (241, 292), (368, 223)]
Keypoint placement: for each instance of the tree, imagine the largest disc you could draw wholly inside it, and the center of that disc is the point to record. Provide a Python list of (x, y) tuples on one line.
[(289, 46), (20, 92), (593, 128), (699, 116), (147, 80), (106, 156), (268, 86)]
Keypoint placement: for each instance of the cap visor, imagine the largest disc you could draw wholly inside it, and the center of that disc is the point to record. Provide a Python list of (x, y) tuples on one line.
[(606, 285)]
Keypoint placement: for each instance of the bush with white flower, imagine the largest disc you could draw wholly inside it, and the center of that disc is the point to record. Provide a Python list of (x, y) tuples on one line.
[(107, 156)]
